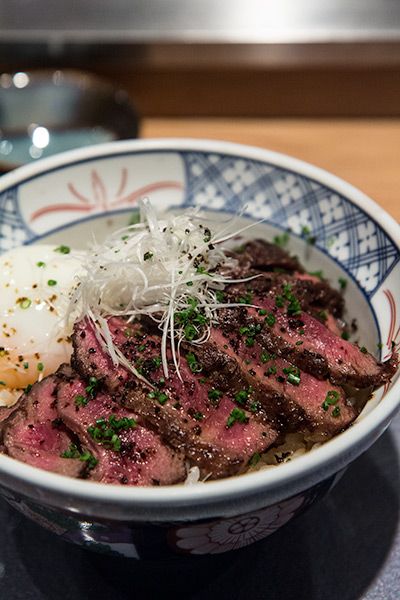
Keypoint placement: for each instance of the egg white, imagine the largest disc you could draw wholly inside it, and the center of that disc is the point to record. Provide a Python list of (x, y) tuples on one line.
[(36, 283)]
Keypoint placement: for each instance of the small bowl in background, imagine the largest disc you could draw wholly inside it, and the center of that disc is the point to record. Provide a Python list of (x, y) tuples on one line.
[(46, 112)]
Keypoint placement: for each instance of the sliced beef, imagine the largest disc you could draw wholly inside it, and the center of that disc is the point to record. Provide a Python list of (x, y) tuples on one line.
[(271, 366), (179, 409), (289, 396), (336, 326), (135, 456), (34, 434), (181, 435), (315, 296), (91, 359), (6, 411), (202, 406), (264, 256), (307, 343)]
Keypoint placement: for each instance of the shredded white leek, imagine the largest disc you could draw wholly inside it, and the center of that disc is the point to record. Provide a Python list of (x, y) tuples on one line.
[(158, 268), (193, 475)]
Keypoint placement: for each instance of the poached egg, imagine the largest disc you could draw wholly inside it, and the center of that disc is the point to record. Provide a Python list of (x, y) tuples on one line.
[(36, 285)]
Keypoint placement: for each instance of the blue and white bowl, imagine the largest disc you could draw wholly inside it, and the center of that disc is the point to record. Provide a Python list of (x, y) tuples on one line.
[(65, 197)]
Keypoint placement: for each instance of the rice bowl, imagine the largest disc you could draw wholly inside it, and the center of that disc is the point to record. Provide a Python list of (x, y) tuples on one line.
[(294, 193)]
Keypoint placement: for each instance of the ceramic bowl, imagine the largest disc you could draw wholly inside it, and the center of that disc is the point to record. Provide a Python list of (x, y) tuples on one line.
[(44, 112), (69, 195)]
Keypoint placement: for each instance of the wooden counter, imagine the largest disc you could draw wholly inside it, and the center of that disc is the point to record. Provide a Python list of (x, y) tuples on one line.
[(365, 152)]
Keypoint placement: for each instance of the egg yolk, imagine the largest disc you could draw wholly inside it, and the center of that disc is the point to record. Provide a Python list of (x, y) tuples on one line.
[(20, 370)]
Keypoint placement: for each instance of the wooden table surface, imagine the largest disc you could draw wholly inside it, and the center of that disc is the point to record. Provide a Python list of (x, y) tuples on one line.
[(364, 152)]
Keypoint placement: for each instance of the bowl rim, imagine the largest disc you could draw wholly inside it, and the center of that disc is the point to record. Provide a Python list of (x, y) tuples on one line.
[(337, 451)]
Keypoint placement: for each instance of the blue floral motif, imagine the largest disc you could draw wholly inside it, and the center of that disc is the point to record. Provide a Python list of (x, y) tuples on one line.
[(13, 230), (294, 202)]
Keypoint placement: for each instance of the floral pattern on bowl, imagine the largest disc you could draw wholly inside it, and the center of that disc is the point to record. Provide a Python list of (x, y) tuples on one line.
[(230, 534), (215, 181), (198, 538)]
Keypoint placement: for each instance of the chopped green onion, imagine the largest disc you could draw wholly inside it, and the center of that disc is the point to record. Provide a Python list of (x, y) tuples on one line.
[(85, 456), (72, 452), (293, 379), (156, 360), (190, 332), (332, 398), (134, 218), (255, 459), (265, 357), (191, 360), (105, 431), (207, 235), (214, 394), (236, 416), (293, 375), (271, 371), (270, 319), (63, 249), (281, 240), (91, 389), (203, 271), (294, 308), (81, 400), (241, 396), (247, 299), (198, 416), (161, 397), (306, 233), (90, 460), (319, 274)]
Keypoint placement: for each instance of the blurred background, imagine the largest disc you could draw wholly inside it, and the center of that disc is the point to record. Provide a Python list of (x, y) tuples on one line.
[(316, 79), (219, 58)]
